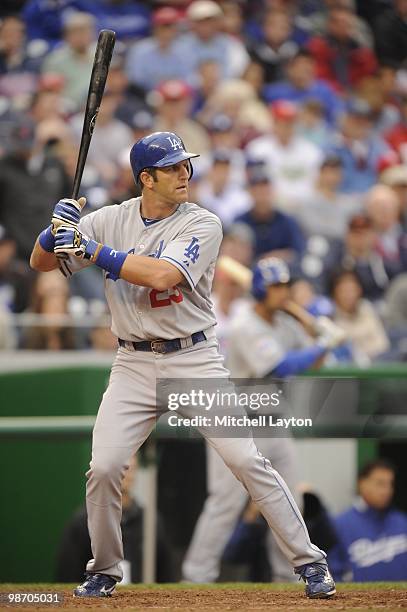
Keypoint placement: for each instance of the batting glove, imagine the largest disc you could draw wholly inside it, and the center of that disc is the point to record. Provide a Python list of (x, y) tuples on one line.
[(70, 241), (67, 212)]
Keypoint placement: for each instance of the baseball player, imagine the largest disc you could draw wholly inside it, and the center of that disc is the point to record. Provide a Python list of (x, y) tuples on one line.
[(260, 340), (158, 254)]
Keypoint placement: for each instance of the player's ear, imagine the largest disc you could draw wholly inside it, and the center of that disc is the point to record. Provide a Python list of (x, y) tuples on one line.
[(146, 179)]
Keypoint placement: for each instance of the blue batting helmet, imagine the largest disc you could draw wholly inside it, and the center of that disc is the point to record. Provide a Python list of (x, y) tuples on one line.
[(268, 271), (158, 150)]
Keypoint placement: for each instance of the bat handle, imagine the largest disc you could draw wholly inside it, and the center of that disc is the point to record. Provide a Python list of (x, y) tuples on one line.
[(75, 188)]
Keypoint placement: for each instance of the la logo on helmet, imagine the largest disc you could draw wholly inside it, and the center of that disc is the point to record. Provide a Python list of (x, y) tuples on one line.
[(176, 143)]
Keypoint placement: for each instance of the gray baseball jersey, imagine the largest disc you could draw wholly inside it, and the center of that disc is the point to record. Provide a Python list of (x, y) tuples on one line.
[(256, 346), (189, 239)]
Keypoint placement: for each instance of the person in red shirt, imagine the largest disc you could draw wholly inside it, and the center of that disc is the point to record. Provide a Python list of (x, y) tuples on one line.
[(341, 60)]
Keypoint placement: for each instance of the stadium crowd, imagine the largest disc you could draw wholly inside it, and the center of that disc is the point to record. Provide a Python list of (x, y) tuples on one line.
[(298, 109)]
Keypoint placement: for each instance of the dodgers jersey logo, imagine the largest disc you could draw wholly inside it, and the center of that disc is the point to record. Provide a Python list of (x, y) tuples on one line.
[(191, 252)]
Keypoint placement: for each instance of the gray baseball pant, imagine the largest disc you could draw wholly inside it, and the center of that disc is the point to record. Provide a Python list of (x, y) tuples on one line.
[(126, 417)]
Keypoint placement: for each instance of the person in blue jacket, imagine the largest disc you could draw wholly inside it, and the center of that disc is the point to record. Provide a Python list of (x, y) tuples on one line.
[(372, 535), (276, 233)]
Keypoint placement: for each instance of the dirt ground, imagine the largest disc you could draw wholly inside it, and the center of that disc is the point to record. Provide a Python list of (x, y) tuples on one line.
[(222, 599)]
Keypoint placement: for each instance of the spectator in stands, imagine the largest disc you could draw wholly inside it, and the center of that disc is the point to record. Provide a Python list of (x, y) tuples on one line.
[(396, 178), (238, 99), (312, 18), (327, 211), (390, 33), (385, 111), (224, 134), (218, 192), (275, 232), (238, 243), (128, 18), (340, 59), (372, 535), (132, 97), (158, 58), (174, 103), (360, 150), (74, 548), (257, 10), (397, 136), (292, 162), (301, 85), (49, 298), (14, 57), (357, 253), (31, 178), (19, 62), (45, 105), (208, 78), (44, 20), (275, 45), (74, 58), (356, 315), (382, 206), (233, 20), (206, 41)]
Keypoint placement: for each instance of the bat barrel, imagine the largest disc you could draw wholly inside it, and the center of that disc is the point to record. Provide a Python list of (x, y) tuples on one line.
[(100, 69)]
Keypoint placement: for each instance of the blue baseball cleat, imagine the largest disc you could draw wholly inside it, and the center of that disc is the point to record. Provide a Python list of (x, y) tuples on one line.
[(318, 580), (96, 585)]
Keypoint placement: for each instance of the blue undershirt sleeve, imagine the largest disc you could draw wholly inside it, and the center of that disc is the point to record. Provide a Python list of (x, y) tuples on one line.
[(295, 362)]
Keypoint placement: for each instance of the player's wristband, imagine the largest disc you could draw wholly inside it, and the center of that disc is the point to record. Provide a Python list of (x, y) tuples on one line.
[(47, 240), (106, 258)]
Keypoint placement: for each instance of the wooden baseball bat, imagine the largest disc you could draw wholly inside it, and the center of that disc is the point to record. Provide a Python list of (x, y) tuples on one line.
[(235, 270), (101, 62), (100, 69)]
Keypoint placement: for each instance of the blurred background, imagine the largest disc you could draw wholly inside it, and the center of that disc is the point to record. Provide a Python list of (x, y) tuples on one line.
[(299, 111)]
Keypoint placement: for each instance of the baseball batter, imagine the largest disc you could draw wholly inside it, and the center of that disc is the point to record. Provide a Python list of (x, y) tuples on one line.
[(158, 254)]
